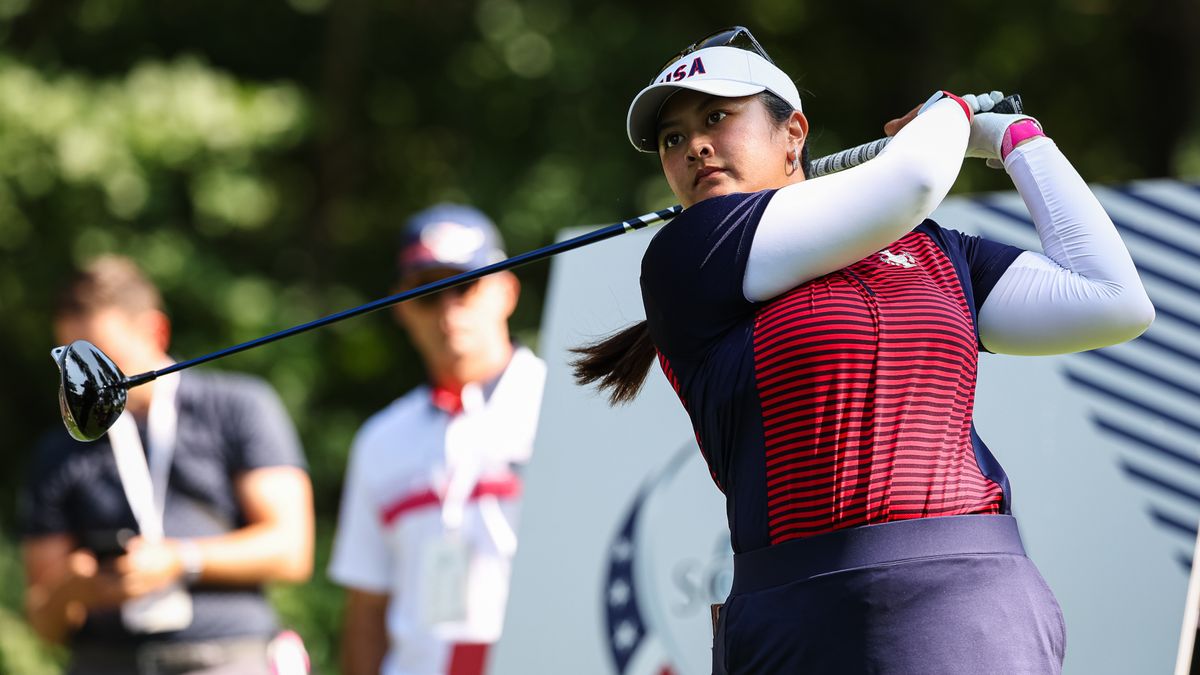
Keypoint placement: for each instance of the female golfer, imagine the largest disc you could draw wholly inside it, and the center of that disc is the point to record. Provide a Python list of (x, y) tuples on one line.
[(823, 336)]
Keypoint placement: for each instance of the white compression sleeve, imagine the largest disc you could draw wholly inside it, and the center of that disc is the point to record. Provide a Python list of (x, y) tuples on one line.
[(1084, 292), (817, 226)]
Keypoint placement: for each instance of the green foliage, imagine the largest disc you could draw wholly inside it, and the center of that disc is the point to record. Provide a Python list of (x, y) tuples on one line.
[(21, 653), (258, 158), (314, 610)]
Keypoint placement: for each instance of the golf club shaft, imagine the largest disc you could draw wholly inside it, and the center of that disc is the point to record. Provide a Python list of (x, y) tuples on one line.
[(421, 291), (825, 165)]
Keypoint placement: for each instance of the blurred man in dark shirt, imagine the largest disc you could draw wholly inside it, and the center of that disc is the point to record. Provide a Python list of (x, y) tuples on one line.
[(211, 466)]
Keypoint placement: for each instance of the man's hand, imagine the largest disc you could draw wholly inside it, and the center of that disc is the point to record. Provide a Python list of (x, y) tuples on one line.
[(63, 584), (148, 566), (94, 585)]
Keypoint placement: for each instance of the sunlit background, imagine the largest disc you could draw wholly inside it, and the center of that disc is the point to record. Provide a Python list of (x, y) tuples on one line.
[(258, 158)]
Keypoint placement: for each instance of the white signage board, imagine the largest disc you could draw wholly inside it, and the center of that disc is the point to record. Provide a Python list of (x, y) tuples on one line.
[(623, 535)]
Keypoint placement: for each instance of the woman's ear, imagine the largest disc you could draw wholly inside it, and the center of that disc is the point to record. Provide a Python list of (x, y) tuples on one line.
[(797, 128)]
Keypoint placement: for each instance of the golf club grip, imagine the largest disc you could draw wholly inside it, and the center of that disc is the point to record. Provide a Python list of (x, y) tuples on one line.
[(859, 154)]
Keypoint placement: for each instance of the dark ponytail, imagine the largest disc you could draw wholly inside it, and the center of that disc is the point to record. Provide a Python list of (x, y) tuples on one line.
[(617, 363)]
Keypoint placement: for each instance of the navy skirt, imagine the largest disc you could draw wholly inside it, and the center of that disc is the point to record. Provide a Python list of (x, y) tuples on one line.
[(933, 595)]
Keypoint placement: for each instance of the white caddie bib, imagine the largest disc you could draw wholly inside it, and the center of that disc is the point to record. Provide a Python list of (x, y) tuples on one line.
[(145, 486), (446, 566)]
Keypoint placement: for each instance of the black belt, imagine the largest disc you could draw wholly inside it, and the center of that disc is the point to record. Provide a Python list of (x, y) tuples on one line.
[(869, 545)]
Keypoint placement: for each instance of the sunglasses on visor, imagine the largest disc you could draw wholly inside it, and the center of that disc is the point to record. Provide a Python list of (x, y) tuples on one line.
[(736, 36)]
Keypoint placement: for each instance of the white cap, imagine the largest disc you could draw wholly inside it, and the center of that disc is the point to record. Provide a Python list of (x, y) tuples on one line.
[(721, 71)]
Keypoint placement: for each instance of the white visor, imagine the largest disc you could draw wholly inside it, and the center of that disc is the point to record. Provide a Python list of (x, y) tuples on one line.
[(721, 71)]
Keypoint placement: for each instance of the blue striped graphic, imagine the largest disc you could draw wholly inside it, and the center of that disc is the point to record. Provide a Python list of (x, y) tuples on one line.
[(1163, 484), (1165, 278), (1182, 527), (1175, 316), (1153, 340), (1176, 334), (1146, 270), (1166, 382), (1088, 383), (1118, 429), (1015, 216), (1122, 225), (1159, 206)]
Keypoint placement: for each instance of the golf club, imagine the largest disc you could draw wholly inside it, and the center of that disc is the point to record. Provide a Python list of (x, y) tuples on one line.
[(92, 389)]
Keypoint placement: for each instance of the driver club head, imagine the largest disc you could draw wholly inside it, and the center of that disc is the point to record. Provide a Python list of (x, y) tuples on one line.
[(91, 389)]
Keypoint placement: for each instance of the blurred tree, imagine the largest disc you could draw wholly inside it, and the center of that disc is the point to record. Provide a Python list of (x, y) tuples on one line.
[(258, 158)]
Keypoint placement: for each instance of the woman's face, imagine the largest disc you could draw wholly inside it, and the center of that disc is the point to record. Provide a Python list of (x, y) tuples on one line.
[(711, 146)]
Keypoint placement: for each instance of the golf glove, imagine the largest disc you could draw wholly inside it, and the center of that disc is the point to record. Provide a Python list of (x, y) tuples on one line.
[(987, 136), (983, 102)]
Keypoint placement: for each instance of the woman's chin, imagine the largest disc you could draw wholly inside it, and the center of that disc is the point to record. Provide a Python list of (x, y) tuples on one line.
[(709, 191)]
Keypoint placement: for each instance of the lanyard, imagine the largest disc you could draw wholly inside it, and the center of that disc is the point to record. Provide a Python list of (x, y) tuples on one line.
[(467, 435), (464, 435), (144, 475)]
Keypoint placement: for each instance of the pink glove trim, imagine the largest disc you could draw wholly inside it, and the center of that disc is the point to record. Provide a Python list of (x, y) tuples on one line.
[(1017, 132), (966, 108)]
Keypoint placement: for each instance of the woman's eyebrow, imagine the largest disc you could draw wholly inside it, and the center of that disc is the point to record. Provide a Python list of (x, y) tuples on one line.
[(672, 121)]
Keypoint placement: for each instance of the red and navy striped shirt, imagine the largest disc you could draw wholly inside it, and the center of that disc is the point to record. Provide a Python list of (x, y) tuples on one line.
[(845, 401)]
